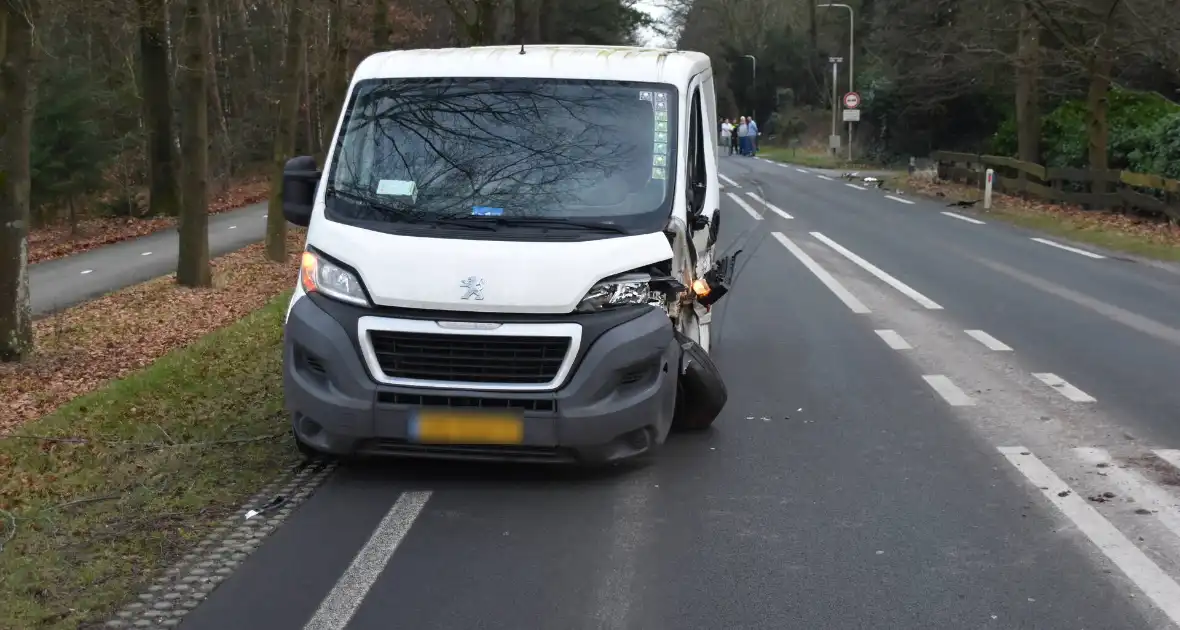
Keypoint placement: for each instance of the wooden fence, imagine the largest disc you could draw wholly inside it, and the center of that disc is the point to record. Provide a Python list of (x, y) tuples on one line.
[(1146, 194)]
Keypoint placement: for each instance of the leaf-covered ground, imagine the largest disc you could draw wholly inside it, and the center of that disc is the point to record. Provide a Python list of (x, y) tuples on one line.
[(57, 241), (81, 348)]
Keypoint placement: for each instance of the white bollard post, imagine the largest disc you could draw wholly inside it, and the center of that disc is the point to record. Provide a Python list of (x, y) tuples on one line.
[(987, 190)]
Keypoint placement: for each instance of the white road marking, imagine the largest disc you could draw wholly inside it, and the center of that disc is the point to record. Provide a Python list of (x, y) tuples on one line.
[(948, 390), (1161, 589), (858, 187), (728, 180), (146, 254), (1129, 483), (881, 275), (894, 340), (1067, 248), (825, 177), (345, 598), (1063, 387), (802, 170), (990, 342), (849, 300), (899, 199), (233, 227), (963, 218), (1170, 455), (773, 208), (86, 271), (745, 206)]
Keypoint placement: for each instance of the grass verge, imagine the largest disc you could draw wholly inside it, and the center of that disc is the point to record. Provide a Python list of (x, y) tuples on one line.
[(102, 494), (808, 157), (1117, 232)]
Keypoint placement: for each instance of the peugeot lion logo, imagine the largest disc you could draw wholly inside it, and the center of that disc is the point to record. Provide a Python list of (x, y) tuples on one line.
[(474, 288)]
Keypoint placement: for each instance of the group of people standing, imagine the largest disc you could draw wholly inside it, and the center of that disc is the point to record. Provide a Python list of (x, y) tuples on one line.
[(740, 135)]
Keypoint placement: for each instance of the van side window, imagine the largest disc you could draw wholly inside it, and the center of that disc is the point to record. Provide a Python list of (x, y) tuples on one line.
[(696, 146)]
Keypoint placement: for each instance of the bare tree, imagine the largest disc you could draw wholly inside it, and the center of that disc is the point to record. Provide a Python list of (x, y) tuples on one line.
[(1028, 69), (193, 265), (164, 196), (286, 121), (16, 51)]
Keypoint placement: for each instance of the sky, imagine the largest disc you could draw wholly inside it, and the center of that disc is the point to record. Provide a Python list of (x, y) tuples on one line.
[(647, 36)]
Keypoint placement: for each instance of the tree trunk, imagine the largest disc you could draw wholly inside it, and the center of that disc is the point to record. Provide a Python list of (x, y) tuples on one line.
[(192, 268), (164, 190), (223, 152), (1028, 70), (381, 31), (1097, 107), (547, 18), (16, 119), (286, 124), (336, 83)]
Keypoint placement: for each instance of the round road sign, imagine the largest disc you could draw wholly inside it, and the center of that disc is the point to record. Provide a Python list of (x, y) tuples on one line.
[(852, 100)]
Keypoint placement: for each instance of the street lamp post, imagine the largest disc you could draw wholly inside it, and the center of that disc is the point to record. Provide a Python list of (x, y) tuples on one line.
[(851, 52), (754, 82)]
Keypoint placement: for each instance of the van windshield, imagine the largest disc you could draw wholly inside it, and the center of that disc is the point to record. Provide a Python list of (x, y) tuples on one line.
[(506, 150)]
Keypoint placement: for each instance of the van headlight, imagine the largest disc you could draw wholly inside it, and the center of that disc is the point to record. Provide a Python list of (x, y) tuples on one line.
[(618, 291), (319, 275)]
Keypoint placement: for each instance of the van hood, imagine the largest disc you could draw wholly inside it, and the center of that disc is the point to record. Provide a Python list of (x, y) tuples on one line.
[(515, 276)]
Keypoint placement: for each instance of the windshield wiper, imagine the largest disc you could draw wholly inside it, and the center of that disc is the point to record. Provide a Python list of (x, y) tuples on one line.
[(400, 213), (554, 222)]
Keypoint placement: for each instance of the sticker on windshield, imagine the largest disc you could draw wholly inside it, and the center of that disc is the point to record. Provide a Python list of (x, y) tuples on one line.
[(659, 172), (660, 160), (645, 96), (397, 188), (486, 211)]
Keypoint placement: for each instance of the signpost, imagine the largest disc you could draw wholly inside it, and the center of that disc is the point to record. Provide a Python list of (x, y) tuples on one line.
[(834, 139), (851, 115)]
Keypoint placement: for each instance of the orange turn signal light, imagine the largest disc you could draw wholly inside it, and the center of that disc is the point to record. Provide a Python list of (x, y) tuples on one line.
[(307, 271), (700, 287)]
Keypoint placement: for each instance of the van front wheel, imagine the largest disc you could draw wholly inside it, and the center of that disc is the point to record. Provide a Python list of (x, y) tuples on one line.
[(700, 390)]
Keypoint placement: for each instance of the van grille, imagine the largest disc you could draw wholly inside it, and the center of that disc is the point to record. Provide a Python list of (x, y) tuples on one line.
[(469, 358)]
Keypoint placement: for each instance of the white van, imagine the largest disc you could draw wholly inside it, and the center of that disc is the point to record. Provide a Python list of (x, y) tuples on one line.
[(509, 256)]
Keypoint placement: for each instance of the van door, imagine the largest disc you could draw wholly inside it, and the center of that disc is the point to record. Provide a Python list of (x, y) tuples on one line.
[(702, 166)]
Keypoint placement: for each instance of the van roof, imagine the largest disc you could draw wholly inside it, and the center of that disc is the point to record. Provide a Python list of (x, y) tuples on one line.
[(616, 63)]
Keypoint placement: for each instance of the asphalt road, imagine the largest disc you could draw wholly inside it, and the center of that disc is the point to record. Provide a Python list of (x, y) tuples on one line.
[(64, 282), (925, 413)]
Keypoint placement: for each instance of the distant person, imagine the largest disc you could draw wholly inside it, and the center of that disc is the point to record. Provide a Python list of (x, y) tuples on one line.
[(743, 133), (727, 134), (753, 137)]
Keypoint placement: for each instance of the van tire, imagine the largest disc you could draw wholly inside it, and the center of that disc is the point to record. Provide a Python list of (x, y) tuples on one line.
[(701, 393)]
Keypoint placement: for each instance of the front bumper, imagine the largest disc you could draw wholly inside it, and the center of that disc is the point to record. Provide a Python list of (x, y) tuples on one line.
[(616, 402)]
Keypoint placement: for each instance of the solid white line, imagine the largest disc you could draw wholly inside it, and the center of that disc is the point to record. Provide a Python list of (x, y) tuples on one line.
[(773, 208), (894, 340), (146, 254), (745, 206), (963, 218), (856, 186), (1063, 387), (86, 271), (906, 201), (1129, 483), (1170, 455), (824, 177), (345, 598), (802, 170), (1067, 248), (948, 390), (849, 300), (1161, 589), (990, 342), (727, 180), (881, 275)]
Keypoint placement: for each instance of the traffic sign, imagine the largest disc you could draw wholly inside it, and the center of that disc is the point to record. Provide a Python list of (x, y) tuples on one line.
[(852, 115), (852, 100)]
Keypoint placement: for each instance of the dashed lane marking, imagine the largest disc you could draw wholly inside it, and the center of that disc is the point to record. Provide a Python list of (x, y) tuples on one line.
[(899, 199), (146, 254), (728, 180), (856, 186), (894, 340), (1063, 387), (86, 271), (989, 342), (745, 206), (950, 392), (233, 227), (825, 177), (770, 206), (1045, 241), (963, 218), (1153, 581), (833, 285), (802, 170), (880, 275)]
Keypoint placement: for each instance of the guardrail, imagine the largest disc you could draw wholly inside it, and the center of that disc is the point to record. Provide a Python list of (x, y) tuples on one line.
[(1147, 194)]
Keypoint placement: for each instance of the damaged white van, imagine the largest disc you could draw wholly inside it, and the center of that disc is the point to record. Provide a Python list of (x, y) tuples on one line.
[(509, 256)]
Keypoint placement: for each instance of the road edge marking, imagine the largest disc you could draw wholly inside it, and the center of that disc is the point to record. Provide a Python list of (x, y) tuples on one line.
[(951, 393), (963, 218), (745, 206), (881, 275), (770, 206), (899, 199), (893, 339), (1045, 241), (988, 341), (1063, 387), (829, 281)]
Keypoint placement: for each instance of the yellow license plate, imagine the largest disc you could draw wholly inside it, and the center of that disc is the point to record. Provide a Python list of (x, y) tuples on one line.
[(451, 427)]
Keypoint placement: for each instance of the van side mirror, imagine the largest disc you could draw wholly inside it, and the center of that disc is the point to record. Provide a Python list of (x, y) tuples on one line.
[(696, 207), (300, 177)]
